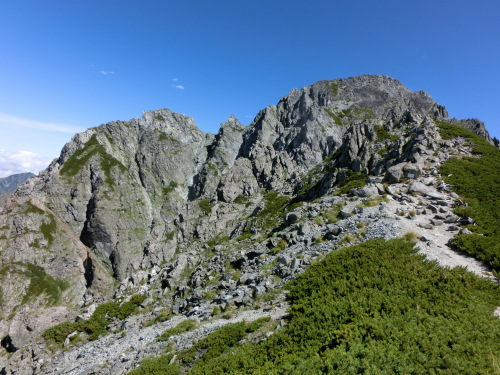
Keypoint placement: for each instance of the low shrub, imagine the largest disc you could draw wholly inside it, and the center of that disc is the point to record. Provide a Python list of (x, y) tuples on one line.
[(184, 326), (377, 307), (477, 181)]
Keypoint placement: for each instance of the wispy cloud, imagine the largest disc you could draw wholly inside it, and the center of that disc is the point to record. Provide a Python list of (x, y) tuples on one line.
[(106, 72), (8, 120), (180, 87), (175, 79), (22, 161)]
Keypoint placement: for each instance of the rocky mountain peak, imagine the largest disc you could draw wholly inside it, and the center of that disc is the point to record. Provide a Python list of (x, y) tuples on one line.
[(155, 206)]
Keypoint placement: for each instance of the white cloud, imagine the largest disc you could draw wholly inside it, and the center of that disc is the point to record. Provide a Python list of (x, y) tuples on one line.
[(175, 79), (106, 72), (8, 120), (22, 161), (180, 87)]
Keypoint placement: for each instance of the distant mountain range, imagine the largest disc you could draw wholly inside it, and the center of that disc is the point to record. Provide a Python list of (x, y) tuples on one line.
[(10, 183)]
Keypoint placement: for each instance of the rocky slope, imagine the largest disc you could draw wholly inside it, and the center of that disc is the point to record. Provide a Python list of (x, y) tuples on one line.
[(10, 183), (204, 224)]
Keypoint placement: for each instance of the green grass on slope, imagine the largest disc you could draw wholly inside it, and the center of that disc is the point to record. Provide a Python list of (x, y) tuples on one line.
[(373, 308), (477, 181), (81, 157), (96, 325)]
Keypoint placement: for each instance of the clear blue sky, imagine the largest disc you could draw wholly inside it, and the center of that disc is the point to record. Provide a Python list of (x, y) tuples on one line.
[(69, 65)]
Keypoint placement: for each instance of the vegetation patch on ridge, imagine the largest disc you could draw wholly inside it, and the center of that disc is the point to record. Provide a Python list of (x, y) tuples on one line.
[(477, 181), (81, 157)]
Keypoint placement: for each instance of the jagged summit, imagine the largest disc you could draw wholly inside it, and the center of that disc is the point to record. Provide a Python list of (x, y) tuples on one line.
[(146, 205)]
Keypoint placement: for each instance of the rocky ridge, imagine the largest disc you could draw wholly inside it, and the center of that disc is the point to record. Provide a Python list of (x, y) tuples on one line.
[(10, 183), (209, 224)]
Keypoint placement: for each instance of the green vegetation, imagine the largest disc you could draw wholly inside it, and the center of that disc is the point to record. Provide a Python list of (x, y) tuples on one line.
[(170, 235), (381, 133), (410, 237), (244, 236), (81, 157), (31, 208), (243, 199), (48, 229), (477, 181), (280, 246), (331, 215), (382, 151), (201, 354), (217, 240), (40, 283), (164, 315), (96, 325), (170, 188), (354, 112), (205, 206), (352, 180), (184, 326), (166, 137), (211, 167), (377, 307), (336, 118), (35, 244), (362, 113), (335, 88), (157, 366), (274, 209), (159, 117)]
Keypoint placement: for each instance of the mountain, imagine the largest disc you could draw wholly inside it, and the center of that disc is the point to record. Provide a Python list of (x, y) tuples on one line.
[(10, 183), (141, 224)]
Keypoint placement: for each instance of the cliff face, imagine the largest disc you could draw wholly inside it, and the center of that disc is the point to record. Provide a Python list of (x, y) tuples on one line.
[(126, 197)]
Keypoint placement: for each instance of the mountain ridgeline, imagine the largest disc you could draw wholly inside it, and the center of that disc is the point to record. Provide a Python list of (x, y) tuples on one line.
[(140, 206), (10, 183)]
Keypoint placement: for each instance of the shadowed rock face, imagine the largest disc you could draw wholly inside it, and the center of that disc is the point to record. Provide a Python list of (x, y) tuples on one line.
[(128, 196)]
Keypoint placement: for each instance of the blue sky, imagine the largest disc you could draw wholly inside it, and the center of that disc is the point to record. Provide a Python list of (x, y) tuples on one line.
[(69, 65)]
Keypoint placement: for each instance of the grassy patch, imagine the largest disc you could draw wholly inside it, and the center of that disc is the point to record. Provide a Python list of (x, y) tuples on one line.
[(81, 157), (244, 236), (280, 246), (164, 315), (335, 88), (217, 240), (31, 208), (40, 283), (477, 181), (336, 118), (211, 167), (352, 180), (242, 199), (381, 133), (170, 188), (96, 325), (205, 206), (168, 138), (157, 366), (184, 326), (372, 308), (48, 229), (170, 235)]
